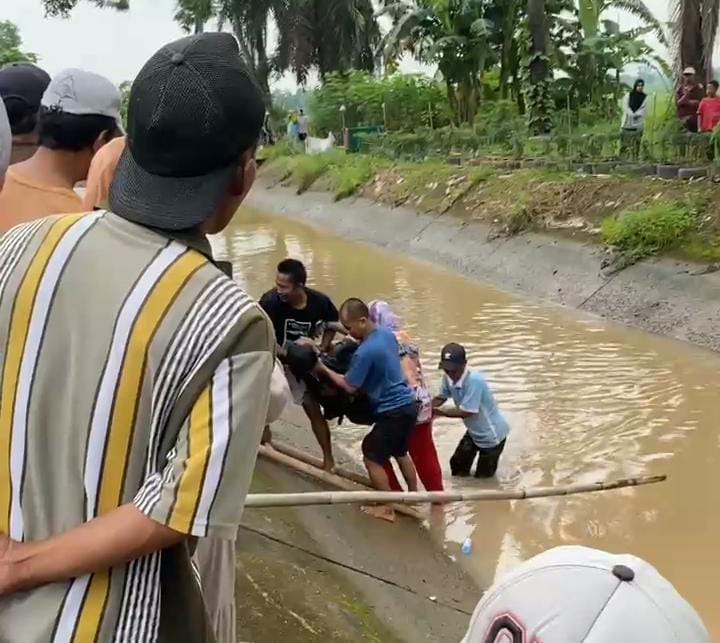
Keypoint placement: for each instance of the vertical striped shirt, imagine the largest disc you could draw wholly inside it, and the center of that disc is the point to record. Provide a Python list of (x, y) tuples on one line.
[(133, 371)]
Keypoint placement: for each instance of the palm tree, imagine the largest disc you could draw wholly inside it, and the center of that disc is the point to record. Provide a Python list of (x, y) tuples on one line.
[(327, 35), (537, 91), (453, 34), (249, 20), (194, 14), (695, 24), (64, 7)]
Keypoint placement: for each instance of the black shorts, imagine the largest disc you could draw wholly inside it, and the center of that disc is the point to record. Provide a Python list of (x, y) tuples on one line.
[(390, 435), (462, 460), (302, 137)]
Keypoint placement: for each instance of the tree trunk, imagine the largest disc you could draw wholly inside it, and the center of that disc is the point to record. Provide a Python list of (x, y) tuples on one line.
[(691, 41), (199, 25), (262, 70), (508, 44), (539, 70)]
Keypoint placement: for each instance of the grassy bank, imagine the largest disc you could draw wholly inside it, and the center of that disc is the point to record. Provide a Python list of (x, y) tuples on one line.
[(635, 217)]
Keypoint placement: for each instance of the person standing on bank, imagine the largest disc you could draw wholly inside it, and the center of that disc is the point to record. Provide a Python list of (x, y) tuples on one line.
[(687, 99), (634, 108), (165, 365), (487, 429), (299, 313), (375, 370)]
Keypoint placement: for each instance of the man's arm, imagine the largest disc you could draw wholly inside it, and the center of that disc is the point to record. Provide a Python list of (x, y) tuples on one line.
[(332, 325), (327, 338), (438, 401), (337, 379), (111, 540), (453, 413)]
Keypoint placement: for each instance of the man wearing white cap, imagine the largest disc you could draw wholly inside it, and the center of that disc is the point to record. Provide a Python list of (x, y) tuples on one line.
[(80, 112), (687, 99), (582, 595)]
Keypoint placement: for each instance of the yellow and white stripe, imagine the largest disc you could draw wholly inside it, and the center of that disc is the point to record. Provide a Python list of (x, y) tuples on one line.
[(114, 419), (17, 374)]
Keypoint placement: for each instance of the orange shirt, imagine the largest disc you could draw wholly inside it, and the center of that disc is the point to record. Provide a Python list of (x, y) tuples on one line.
[(101, 174), (23, 200), (709, 112)]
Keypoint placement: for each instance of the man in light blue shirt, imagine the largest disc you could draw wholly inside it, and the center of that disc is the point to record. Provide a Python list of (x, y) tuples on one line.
[(486, 427)]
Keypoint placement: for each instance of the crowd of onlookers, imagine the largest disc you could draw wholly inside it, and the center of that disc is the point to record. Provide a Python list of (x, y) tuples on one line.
[(698, 107)]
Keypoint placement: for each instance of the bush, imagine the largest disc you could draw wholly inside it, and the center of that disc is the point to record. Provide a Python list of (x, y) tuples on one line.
[(649, 230), (411, 101)]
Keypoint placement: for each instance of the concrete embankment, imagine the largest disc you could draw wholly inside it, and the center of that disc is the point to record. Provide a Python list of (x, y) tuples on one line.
[(664, 296), (287, 590)]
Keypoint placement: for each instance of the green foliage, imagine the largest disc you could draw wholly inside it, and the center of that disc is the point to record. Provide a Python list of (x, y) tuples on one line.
[(10, 44), (355, 170), (410, 101), (336, 35), (64, 7), (309, 168), (193, 14), (452, 34), (651, 229), (282, 148)]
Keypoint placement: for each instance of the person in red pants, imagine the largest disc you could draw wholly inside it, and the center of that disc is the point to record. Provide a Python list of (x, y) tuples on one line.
[(421, 446)]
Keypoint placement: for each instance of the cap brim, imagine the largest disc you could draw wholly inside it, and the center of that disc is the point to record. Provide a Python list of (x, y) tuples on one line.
[(449, 364), (168, 203)]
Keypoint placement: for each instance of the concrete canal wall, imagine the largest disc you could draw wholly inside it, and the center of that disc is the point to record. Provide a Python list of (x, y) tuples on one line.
[(673, 298)]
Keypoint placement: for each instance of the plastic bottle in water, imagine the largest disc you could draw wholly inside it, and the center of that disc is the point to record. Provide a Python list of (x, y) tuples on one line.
[(467, 547)]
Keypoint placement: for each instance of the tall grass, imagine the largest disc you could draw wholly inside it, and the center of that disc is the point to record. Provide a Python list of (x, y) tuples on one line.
[(657, 227)]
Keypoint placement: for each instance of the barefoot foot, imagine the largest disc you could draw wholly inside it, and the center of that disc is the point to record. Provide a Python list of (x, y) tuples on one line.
[(384, 512)]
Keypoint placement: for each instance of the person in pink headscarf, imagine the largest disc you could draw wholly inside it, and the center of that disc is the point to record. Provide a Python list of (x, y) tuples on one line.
[(422, 446)]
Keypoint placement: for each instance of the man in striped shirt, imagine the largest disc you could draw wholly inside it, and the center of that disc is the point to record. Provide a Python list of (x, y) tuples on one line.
[(135, 375)]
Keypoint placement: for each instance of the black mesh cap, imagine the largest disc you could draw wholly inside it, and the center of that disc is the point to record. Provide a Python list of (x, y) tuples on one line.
[(193, 111)]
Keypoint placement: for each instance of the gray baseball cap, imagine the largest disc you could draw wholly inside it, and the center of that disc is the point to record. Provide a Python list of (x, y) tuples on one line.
[(79, 92)]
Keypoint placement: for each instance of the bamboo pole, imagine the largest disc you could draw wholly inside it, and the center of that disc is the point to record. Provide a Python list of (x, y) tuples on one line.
[(301, 455), (336, 481), (436, 497)]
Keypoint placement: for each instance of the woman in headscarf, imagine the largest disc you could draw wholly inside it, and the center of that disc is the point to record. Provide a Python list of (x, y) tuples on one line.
[(422, 447), (634, 107)]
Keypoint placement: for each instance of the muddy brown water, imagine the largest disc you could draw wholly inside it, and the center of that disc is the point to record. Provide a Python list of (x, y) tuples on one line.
[(587, 400)]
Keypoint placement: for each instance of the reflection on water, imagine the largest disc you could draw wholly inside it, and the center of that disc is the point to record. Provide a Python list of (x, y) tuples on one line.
[(587, 400)]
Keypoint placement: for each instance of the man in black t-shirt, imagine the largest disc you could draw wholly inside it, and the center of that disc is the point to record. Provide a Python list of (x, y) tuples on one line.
[(298, 314)]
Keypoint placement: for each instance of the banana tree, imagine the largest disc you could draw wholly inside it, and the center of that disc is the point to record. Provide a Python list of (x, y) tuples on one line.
[(590, 13), (452, 34)]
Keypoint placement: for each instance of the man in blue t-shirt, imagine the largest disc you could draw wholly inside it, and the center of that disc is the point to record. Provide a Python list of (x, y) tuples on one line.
[(486, 427), (376, 371)]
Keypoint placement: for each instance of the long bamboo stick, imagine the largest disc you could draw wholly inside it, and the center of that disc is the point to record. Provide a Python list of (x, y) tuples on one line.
[(436, 497), (298, 454), (336, 481)]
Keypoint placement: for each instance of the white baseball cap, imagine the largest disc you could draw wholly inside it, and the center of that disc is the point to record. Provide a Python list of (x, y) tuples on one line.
[(582, 595), (79, 92), (688, 71)]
